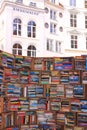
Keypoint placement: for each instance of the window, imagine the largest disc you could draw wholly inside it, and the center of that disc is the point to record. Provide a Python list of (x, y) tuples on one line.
[(85, 21), (19, 1), (53, 14), (49, 44), (53, 1), (46, 25), (85, 3), (31, 29), (17, 49), (17, 27), (73, 20), (31, 51), (46, 10), (60, 14), (61, 29), (72, 2), (53, 27), (58, 46), (86, 42), (33, 4), (74, 39)]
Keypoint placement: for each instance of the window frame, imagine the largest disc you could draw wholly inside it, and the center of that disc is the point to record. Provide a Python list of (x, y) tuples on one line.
[(73, 3), (53, 28), (17, 26), (73, 20), (53, 14), (86, 42), (58, 46), (17, 49), (19, 1), (31, 51), (31, 29), (53, 1), (74, 41), (49, 45), (85, 21), (85, 3)]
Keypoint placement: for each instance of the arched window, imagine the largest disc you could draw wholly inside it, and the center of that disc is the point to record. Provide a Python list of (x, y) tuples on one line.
[(31, 29), (17, 27), (17, 49), (31, 51)]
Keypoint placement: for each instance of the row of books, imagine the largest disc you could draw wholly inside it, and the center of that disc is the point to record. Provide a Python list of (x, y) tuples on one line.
[(43, 63), (46, 91), (42, 119), (26, 76), (57, 104), (14, 61)]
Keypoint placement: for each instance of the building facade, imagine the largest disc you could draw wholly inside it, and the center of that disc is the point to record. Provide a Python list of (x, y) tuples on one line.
[(46, 28), (75, 26), (31, 27)]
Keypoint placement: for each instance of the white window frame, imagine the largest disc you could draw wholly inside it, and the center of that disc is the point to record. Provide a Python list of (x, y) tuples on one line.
[(19, 1), (32, 4), (85, 21), (74, 41), (53, 27), (73, 20), (18, 49), (58, 46), (52, 14), (49, 44), (86, 42), (72, 2), (31, 29), (17, 26), (53, 1), (85, 4), (31, 50)]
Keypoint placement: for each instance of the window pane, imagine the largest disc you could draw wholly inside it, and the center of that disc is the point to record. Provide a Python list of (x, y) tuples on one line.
[(19, 52), (17, 27), (19, 1), (85, 3), (17, 49), (31, 29), (14, 52), (73, 20), (74, 39), (72, 2), (50, 44), (19, 33), (31, 51)]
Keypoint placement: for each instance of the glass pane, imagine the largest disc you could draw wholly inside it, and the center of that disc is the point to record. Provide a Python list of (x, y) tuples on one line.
[(28, 53), (19, 52), (29, 28), (15, 32), (14, 52), (33, 48), (29, 34), (19, 33), (34, 29), (18, 21), (19, 46), (19, 27), (14, 27), (15, 21), (34, 35)]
